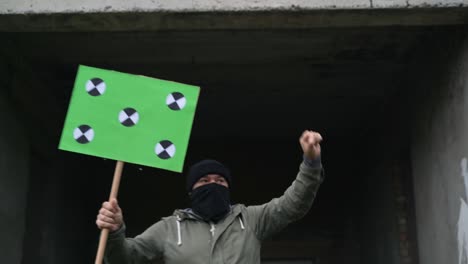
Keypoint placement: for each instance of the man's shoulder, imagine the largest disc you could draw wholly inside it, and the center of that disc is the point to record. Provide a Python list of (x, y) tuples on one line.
[(236, 207)]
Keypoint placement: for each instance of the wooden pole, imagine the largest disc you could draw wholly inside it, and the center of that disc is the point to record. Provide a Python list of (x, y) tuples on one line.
[(113, 194)]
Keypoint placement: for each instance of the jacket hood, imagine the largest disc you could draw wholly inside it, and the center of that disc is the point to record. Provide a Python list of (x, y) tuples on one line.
[(188, 213)]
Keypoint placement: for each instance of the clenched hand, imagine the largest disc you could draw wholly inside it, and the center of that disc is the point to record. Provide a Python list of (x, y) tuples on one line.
[(310, 143), (110, 216)]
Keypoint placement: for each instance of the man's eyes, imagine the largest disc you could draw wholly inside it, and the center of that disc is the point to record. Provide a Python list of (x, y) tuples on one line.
[(205, 180)]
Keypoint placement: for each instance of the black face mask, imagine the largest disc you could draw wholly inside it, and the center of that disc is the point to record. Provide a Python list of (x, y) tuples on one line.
[(211, 201)]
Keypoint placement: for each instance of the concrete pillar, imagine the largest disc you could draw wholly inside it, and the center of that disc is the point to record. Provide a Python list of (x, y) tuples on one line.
[(439, 152), (14, 172)]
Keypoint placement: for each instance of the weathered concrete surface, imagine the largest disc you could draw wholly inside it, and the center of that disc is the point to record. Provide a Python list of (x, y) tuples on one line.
[(261, 20), (439, 146), (70, 6), (379, 233), (417, 3), (89, 6), (117, 15), (436, 3), (14, 173)]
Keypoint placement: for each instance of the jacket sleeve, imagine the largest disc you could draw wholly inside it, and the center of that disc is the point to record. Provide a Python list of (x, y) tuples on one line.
[(144, 248), (296, 201)]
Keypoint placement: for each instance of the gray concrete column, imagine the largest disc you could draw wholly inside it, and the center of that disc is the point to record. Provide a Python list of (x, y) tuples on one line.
[(14, 172), (439, 152)]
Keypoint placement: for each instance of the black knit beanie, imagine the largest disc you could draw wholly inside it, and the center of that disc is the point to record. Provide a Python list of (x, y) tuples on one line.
[(203, 168)]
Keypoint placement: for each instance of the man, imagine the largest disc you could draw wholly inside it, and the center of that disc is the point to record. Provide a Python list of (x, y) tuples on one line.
[(213, 230)]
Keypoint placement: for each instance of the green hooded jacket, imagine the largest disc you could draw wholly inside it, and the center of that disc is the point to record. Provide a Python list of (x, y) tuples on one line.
[(184, 238)]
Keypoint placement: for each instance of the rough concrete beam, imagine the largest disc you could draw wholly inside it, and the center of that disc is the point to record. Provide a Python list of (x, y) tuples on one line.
[(260, 20), (418, 3), (437, 3), (112, 6), (92, 6)]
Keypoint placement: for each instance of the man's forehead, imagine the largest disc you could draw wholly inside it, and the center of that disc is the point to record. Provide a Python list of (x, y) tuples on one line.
[(213, 175)]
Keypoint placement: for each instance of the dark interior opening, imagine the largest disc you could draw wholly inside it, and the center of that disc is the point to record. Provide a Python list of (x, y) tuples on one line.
[(259, 90)]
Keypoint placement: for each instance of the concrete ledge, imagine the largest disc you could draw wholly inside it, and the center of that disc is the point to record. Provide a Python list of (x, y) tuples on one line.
[(86, 22), (418, 3), (113, 6), (92, 6)]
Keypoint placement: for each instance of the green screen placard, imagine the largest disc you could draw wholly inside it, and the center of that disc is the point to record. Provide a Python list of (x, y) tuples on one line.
[(131, 118)]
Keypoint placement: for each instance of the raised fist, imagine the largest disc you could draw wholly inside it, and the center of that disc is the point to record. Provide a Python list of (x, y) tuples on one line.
[(310, 143)]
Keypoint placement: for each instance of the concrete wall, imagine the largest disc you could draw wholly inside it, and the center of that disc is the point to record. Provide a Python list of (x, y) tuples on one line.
[(59, 229), (14, 173), (33, 186), (379, 230), (70, 6), (386, 220), (144, 15), (439, 148)]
